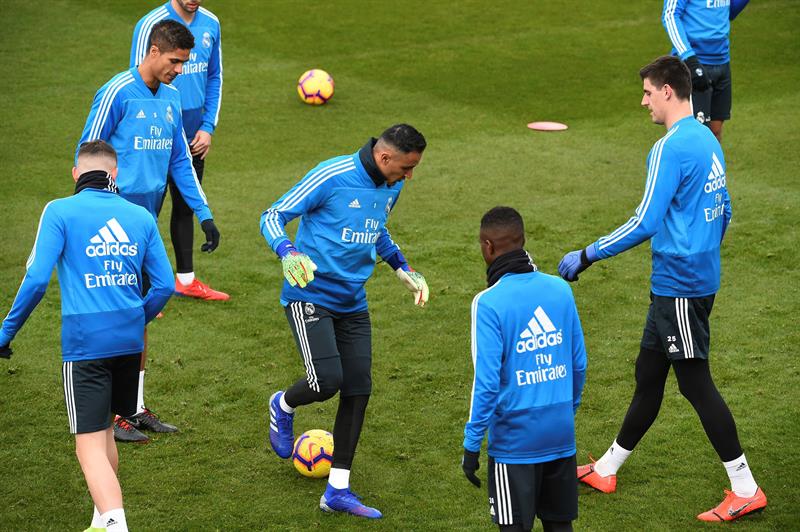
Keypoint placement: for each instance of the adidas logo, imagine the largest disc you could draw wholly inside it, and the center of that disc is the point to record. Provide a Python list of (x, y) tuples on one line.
[(716, 178), (673, 349), (111, 239), (141, 114), (354, 204), (741, 466), (111, 522), (540, 333)]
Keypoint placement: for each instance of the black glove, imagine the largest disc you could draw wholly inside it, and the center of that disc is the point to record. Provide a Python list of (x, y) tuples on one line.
[(6, 351), (470, 464), (699, 79), (212, 235)]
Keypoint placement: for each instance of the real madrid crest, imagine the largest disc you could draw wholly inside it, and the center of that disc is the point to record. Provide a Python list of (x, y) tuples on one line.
[(309, 310), (207, 39), (169, 114)]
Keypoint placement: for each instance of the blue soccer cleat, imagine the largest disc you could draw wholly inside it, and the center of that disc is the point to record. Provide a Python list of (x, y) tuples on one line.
[(281, 427), (346, 501)]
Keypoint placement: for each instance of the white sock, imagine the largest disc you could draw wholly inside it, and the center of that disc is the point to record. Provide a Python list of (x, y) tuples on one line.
[(96, 521), (610, 462), (114, 520), (339, 478), (742, 482), (140, 397), (186, 278), (284, 406)]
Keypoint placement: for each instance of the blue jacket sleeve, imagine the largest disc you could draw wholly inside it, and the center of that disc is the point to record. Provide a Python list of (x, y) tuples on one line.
[(487, 358), (387, 250), (578, 359), (727, 213), (663, 178), (137, 46), (46, 251), (671, 19), (308, 194), (102, 119), (213, 100), (157, 266), (182, 172), (736, 7)]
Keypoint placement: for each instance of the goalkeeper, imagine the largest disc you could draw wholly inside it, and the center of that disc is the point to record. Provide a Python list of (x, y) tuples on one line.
[(343, 203)]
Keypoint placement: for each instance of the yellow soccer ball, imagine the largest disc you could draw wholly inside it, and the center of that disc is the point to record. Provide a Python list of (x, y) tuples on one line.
[(312, 455), (315, 87)]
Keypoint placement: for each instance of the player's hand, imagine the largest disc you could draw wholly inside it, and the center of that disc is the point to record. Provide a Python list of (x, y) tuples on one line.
[(470, 464), (700, 80), (298, 268), (575, 262), (212, 235), (6, 351), (201, 144), (416, 283)]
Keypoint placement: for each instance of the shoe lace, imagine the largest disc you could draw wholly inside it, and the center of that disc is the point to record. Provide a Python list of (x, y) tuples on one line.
[(124, 425), (149, 414)]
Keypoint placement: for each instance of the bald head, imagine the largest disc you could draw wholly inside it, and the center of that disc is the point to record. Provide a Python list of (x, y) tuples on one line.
[(502, 230)]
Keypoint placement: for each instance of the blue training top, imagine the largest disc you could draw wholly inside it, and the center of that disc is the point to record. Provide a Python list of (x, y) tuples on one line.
[(200, 83), (146, 130), (698, 27), (530, 366), (685, 210), (101, 244), (343, 228)]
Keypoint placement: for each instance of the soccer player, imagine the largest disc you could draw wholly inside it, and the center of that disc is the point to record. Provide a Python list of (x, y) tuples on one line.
[(530, 365), (685, 212), (200, 87), (139, 113), (699, 32), (343, 203), (102, 245)]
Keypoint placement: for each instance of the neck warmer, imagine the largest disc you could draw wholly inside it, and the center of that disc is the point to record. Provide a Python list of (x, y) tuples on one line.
[(97, 179), (517, 261)]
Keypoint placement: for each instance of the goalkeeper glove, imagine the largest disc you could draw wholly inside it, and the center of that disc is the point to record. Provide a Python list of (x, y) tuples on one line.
[(415, 282), (212, 235), (470, 464), (298, 268), (700, 81), (6, 351), (575, 262)]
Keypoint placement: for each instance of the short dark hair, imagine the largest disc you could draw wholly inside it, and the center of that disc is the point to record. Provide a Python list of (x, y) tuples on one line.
[(404, 138), (97, 147), (169, 35), (503, 218), (669, 70)]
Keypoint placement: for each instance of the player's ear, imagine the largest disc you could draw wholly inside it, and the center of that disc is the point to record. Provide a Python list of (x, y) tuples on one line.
[(113, 173), (75, 173)]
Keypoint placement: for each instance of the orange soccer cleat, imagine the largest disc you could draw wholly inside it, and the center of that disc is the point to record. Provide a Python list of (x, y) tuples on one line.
[(200, 290), (734, 507), (588, 475)]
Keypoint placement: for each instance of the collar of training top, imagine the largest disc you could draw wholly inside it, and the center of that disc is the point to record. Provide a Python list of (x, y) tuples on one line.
[(368, 160)]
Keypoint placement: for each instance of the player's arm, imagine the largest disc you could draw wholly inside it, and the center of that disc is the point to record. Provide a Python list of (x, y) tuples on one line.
[(308, 194), (671, 17), (138, 43), (156, 265), (736, 7), (663, 178), (45, 253), (578, 359), (104, 115), (182, 172), (213, 99), (390, 252), (727, 214), (487, 357)]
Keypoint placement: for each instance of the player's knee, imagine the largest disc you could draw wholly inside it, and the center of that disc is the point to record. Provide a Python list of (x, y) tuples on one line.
[(329, 384)]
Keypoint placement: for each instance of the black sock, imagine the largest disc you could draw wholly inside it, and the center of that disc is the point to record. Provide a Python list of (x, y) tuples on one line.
[(347, 429)]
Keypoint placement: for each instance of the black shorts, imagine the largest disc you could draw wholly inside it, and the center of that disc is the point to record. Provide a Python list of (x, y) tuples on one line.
[(93, 389), (518, 493), (678, 326), (715, 102), (333, 341)]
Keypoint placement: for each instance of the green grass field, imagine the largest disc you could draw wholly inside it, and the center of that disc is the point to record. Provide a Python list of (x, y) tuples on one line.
[(469, 75)]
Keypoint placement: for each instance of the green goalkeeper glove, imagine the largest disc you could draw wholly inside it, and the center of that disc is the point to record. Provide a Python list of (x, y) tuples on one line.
[(298, 268), (415, 282)]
